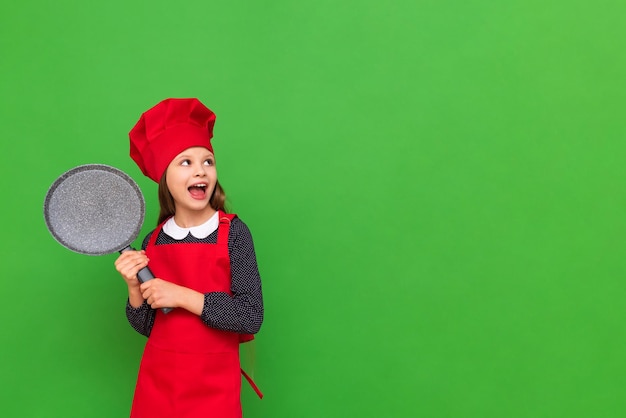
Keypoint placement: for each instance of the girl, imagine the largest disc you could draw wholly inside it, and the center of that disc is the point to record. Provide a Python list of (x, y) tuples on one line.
[(205, 268)]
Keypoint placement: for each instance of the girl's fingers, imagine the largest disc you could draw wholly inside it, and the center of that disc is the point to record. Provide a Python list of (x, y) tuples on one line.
[(130, 262)]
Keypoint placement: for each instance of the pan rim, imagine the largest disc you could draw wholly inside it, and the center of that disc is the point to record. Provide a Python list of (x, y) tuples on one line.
[(89, 168)]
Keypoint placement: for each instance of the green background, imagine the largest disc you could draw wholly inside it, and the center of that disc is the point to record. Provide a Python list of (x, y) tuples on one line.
[(435, 189)]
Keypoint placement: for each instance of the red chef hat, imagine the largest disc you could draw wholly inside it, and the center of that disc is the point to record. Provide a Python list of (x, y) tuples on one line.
[(167, 129)]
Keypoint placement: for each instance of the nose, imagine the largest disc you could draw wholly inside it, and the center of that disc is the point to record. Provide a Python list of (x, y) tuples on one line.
[(200, 171)]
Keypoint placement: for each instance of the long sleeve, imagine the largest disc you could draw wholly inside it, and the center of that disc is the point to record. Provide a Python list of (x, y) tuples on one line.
[(141, 318), (243, 311)]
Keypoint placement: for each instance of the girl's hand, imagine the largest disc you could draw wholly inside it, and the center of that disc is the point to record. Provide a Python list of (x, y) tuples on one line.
[(163, 294), (128, 264)]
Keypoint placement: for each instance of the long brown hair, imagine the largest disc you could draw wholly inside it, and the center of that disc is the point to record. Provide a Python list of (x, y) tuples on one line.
[(168, 208)]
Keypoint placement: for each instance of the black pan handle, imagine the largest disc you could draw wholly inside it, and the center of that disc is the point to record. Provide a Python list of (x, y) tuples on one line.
[(144, 275)]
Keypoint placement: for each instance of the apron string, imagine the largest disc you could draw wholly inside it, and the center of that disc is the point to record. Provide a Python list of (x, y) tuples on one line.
[(254, 386)]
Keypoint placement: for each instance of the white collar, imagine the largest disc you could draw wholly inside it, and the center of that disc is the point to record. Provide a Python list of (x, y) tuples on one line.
[(200, 231)]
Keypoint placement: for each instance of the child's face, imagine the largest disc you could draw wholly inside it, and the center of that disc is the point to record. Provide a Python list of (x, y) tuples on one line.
[(191, 178)]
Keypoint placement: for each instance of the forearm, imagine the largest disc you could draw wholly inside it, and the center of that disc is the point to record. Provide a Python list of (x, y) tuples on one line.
[(241, 314), (135, 299), (191, 300)]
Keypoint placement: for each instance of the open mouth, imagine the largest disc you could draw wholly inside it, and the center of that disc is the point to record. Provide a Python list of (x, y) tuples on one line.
[(198, 191)]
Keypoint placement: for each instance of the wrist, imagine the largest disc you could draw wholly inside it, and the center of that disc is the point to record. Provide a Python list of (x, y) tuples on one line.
[(134, 288), (194, 302)]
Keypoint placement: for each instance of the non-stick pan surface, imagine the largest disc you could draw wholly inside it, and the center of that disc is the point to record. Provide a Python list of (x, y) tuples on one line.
[(94, 209)]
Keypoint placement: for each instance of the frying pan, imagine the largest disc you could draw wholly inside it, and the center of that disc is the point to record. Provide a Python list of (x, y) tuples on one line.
[(96, 209)]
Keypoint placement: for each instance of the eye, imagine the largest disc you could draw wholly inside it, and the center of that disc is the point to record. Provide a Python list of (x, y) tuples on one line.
[(185, 162), (208, 161)]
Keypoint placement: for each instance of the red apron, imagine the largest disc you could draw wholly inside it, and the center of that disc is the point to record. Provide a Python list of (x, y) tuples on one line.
[(188, 369)]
